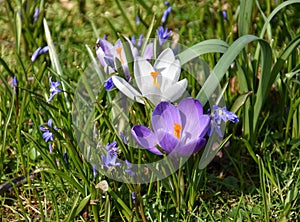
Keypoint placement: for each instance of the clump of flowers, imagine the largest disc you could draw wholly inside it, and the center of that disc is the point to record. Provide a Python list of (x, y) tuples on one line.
[(47, 134)]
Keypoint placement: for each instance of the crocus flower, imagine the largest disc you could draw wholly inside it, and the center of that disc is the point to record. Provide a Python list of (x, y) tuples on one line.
[(158, 82), (108, 84), (36, 14), (110, 158), (53, 89), (107, 53), (163, 35), (38, 52), (180, 129), (166, 14), (217, 116)]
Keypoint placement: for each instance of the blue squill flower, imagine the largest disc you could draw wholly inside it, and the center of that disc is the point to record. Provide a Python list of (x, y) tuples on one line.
[(166, 14), (137, 20), (129, 171), (53, 89), (109, 160), (38, 52), (36, 14), (217, 116), (163, 35), (109, 84), (133, 196), (15, 82), (95, 171), (47, 134), (179, 129)]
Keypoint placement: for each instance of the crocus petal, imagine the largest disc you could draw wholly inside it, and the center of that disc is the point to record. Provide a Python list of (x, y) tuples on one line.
[(148, 53), (171, 74), (164, 116), (194, 122), (144, 80), (127, 89), (167, 141), (187, 149), (175, 91), (145, 138), (165, 59)]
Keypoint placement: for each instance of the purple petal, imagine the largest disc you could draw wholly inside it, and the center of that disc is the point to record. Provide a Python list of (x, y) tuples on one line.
[(167, 141), (164, 116), (145, 138), (148, 53), (194, 122), (191, 147)]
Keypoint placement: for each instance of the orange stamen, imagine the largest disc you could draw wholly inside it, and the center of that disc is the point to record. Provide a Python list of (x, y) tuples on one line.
[(154, 76), (119, 51), (177, 129)]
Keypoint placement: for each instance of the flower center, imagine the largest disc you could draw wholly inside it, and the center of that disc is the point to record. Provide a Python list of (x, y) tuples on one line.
[(177, 129), (119, 52), (154, 76)]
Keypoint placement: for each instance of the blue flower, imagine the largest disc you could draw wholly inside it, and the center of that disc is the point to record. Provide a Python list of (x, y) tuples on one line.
[(94, 171), (223, 114), (47, 135), (53, 89), (124, 138), (163, 35), (133, 196), (109, 84), (15, 82), (130, 172), (217, 116), (166, 14), (36, 14), (109, 160), (38, 52), (137, 20), (66, 158)]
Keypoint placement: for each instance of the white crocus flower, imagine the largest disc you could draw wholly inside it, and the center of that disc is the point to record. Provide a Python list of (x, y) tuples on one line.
[(156, 83)]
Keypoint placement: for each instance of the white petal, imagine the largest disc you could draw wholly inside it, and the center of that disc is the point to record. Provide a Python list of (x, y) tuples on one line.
[(127, 89), (142, 74), (164, 60), (171, 74), (175, 91)]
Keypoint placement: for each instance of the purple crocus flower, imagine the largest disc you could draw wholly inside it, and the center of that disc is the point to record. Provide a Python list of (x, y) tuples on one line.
[(166, 14), (163, 35), (53, 89), (109, 84), (180, 129), (38, 52), (107, 53), (36, 14)]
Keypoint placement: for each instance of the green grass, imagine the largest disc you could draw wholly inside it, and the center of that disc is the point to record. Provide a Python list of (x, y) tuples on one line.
[(254, 54)]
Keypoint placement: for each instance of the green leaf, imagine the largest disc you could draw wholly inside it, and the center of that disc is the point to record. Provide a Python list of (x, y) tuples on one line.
[(245, 13), (240, 101), (204, 47)]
